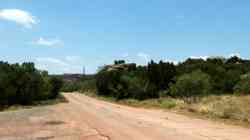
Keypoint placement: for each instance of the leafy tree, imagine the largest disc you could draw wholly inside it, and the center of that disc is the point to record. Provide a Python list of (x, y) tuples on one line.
[(107, 82), (232, 77), (234, 60), (129, 83), (55, 89), (243, 86), (192, 84), (137, 88), (161, 74), (193, 77), (24, 84), (216, 60), (117, 62)]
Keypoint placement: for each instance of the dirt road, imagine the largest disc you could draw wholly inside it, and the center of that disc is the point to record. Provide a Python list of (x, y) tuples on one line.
[(84, 118)]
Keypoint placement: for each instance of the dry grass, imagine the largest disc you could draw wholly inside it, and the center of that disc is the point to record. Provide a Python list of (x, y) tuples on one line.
[(166, 103), (225, 107), (231, 109)]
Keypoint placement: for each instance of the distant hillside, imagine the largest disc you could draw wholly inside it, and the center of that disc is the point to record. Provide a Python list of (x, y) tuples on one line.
[(76, 77)]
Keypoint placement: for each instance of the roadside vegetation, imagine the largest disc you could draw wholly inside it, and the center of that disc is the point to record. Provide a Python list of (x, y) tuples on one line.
[(189, 79), (214, 88), (23, 84), (87, 83), (232, 109)]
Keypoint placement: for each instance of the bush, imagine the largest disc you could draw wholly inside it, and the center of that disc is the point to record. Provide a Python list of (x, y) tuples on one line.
[(193, 84), (23, 84), (232, 77), (88, 85), (137, 88), (108, 83), (124, 84), (82, 85), (56, 84), (216, 76), (243, 86), (70, 86)]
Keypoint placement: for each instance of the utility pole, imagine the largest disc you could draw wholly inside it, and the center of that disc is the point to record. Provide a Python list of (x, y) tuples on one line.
[(83, 71)]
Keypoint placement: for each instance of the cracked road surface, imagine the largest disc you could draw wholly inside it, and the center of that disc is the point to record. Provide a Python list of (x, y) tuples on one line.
[(85, 118)]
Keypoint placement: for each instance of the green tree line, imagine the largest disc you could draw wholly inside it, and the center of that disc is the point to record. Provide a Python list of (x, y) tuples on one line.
[(193, 77), (24, 84)]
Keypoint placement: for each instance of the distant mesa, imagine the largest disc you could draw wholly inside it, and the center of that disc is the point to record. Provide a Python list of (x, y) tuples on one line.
[(72, 77), (69, 77), (120, 67)]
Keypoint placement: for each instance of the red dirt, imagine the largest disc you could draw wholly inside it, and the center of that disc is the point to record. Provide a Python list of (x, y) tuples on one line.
[(85, 118)]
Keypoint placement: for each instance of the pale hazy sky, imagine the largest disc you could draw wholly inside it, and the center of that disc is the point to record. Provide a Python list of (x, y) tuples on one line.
[(61, 36)]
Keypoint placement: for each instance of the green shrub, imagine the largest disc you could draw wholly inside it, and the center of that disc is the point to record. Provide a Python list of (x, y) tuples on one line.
[(243, 86), (70, 86), (85, 84), (193, 84), (138, 88), (231, 79), (24, 84), (216, 76), (88, 86), (168, 104), (108, 83), (124, 84), (56, 84)]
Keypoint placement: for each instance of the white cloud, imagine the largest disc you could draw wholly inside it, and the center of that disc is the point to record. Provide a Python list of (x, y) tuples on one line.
[(125, 55), (234, 54), (21, 17), (57, 66), (73, 59), (52, 60), (48, 42), (144, 56), (199, 57)]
